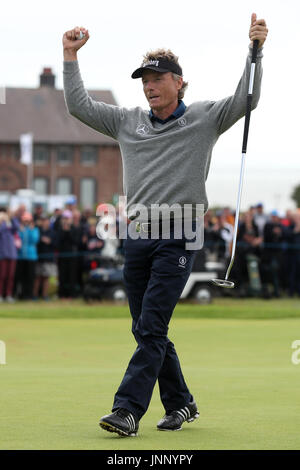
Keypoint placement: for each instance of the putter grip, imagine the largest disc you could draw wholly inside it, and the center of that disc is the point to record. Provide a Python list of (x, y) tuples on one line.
[(254, 51), (249, 96)]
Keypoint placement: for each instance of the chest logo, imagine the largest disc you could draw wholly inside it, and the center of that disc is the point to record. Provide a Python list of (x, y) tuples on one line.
[(142, 129), (182, 122)]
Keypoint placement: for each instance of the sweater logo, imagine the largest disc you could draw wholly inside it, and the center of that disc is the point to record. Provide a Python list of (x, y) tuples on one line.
[(182, 261), (142, 129), (182, 122)]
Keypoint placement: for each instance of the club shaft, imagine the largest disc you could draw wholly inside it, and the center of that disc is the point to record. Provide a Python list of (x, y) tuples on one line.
[(244, 150), (237, 212)]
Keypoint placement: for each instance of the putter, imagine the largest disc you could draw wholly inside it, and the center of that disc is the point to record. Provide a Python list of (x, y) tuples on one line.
[(225, 282)]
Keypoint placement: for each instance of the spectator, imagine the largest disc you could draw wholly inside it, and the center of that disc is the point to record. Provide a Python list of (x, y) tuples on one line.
[(20, 211), (45, 266), (260, 218), (210, 240), (294, 256), (37, 213), (81, 226), (228, 215), (288, 220), (93, 247), (288, 223), (252, 210), (66, 243), (225, 231), (220, 235), (55, 220), (54, 216), (27, 257), (86, 214), (71, 204), (272, 252), (248, 243), (8, 254)]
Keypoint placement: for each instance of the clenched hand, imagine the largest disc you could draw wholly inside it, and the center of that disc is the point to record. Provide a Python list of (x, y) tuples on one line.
[(258, 30), (72, 43)]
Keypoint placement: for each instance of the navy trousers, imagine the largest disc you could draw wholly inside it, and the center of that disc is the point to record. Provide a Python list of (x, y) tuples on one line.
[(155, 273)]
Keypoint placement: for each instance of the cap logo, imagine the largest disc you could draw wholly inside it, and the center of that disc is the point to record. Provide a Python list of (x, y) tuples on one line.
[(151, 62), (160, 65)]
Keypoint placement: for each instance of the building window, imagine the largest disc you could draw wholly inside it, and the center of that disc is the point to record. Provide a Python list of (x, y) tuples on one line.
[(88, 155), (40, 155), (87, 192), (63, 186), (64, 155), (40, 185)]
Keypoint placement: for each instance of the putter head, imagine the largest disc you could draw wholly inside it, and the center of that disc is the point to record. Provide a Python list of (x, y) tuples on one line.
[(223, 283)]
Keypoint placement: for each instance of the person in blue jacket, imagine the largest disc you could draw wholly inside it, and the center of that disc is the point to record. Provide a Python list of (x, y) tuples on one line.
[(27, 257)]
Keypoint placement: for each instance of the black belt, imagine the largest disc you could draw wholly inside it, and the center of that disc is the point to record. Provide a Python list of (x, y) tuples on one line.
[(146, 226)]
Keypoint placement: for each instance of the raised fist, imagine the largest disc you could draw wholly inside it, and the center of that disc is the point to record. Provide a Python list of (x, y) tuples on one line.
[(71, 39)]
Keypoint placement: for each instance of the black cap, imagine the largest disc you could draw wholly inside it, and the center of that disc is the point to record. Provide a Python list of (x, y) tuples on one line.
[(159, 65)]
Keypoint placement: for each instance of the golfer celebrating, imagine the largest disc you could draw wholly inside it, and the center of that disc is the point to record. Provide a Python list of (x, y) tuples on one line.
[(166, 155)]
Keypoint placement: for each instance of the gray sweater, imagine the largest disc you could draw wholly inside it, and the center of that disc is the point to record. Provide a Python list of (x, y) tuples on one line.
[(162, 163)]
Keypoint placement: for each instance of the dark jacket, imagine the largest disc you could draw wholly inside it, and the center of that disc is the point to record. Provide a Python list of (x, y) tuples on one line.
[(273, 242), (67, 241), (244, 247), (46, 250)]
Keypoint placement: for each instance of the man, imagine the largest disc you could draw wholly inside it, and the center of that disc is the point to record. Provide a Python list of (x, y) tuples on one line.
[(166, 155), (273, 237), (27, 256), (260, 218)]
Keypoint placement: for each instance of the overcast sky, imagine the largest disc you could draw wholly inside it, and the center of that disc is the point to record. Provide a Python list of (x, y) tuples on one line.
[(211, 40)]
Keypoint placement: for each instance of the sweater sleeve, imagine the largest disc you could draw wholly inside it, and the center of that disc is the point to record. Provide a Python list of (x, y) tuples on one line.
[(228, 111), (102, 117)]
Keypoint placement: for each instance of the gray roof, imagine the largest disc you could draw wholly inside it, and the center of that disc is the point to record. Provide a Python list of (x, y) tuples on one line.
[(43, 112)]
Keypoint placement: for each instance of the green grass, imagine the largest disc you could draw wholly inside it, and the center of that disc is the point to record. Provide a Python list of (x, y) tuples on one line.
[(219, 308), (61, 375)]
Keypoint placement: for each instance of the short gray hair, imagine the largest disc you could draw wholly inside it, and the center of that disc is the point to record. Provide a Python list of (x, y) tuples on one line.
[(182, 90)]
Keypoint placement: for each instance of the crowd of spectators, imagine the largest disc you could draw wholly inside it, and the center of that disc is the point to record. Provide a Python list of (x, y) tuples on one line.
[(36, 247), (65, 246), (271, 240)]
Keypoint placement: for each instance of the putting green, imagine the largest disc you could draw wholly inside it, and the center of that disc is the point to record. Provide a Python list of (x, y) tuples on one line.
[(61, 375)]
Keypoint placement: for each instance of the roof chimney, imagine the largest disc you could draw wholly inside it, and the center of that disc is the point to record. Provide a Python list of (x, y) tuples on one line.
[(47, 78)]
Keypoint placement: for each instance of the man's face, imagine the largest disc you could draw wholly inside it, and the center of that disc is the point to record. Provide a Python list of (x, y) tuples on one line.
[(161, 90)]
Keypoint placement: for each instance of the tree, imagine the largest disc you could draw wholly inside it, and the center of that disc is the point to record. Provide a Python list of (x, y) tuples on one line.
[(296, 195)]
